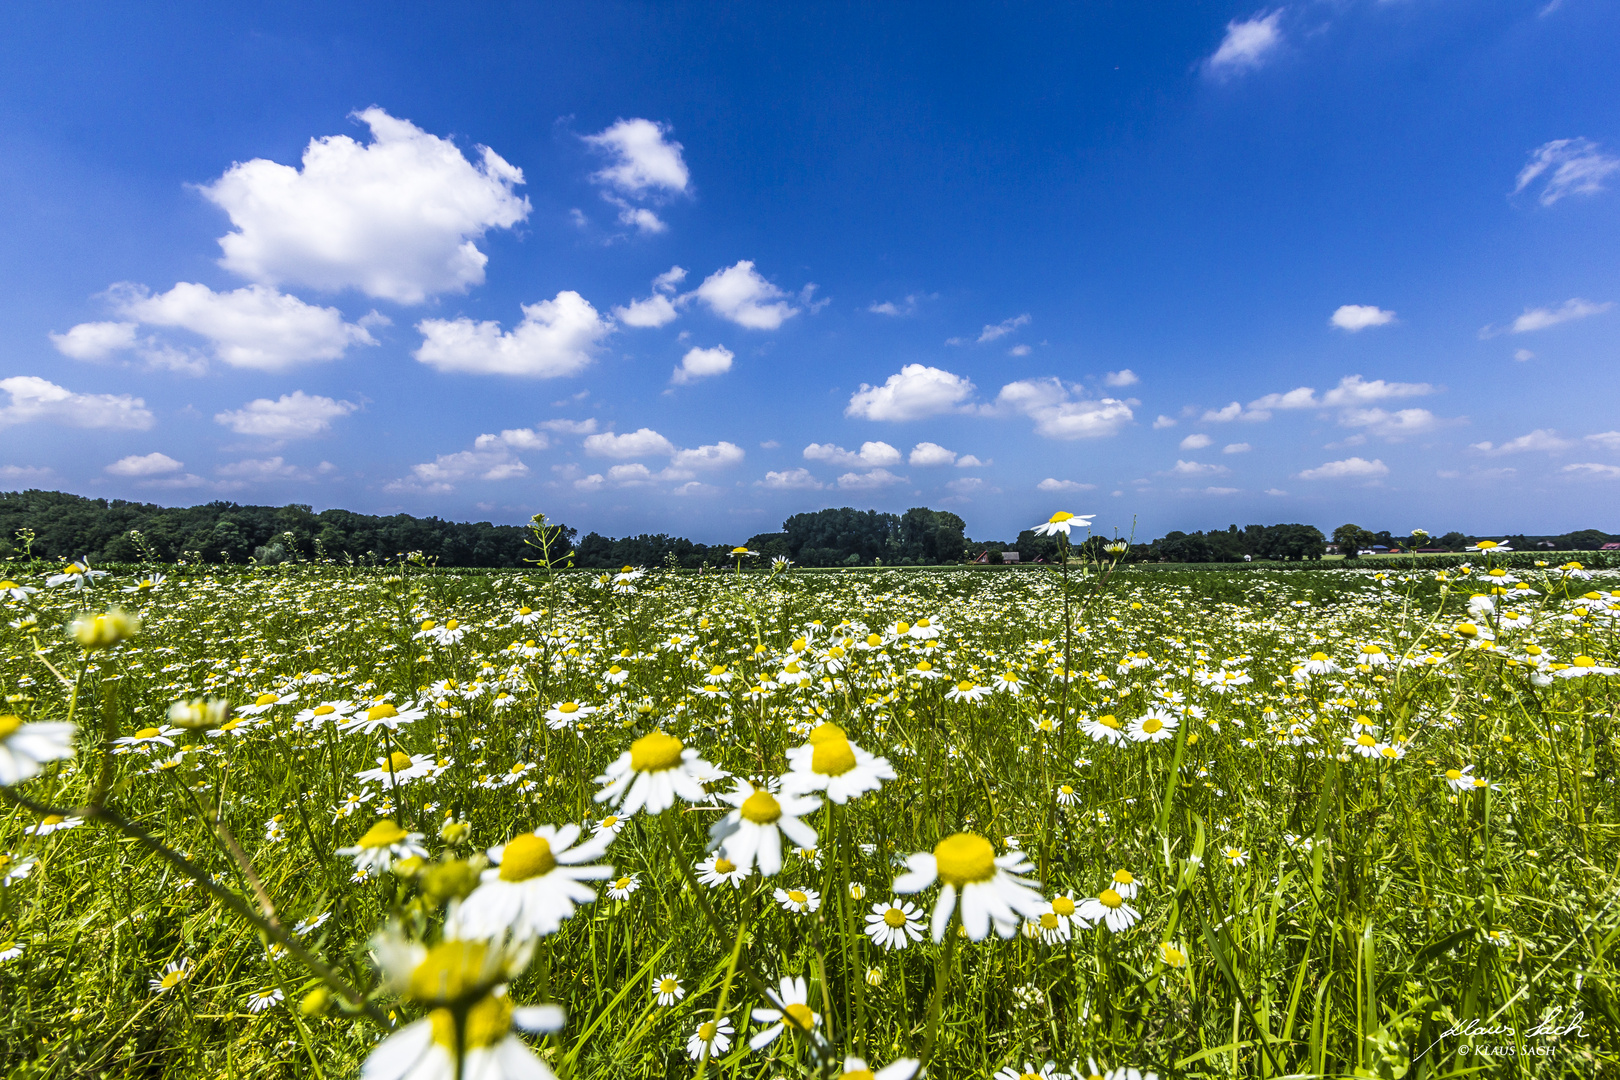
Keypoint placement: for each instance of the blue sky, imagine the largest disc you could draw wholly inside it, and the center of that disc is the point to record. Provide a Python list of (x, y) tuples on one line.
[(693, 268)]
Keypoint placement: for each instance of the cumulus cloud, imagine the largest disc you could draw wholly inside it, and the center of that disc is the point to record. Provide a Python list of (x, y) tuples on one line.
[(789, 480), (95, 340), (738, 294), (1355, 317), (871, 480), (871, 454), (153, 464), (1609, 440), (1541, 318), (1194, 468), (643, 442), (556, 338), (33, 398), (700, 363), (292, 416), (1544, 440), (252, 327), (1236, 448), (260, 470), (1060, 411), (493, 457), (1228, 413), (1053, 484), (927, 454), (966, 485), (1246, 44), (915, 392), (657, 309), (1393, 426), (908, 306), (586, 426), (1571, 166), (1196, 441), (1162, 421), (644, 160), (968, 461), (396, 218), (1353, 468), (719, 455), (1123, 377), (1303, 397), (994, 331), (1593, 469)]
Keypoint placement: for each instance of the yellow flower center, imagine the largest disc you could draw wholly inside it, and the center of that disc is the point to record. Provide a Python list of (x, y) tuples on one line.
[(724, 865), (52, 819), (610, 821), (895, 917), (902, 628), (171, 979), (488, 1022), (799, 1016), (614, 670), (655, 752), (1172, 955), (1063, 906), (525, 611), (1049, 921), (1123, 877), (1372, 650), (1060, 517), (832, 756), (8, 584), (451, 624), (384, 833), (1466, 629), (525, 857), (1453, 774), (873, 640), (1152, 725), (623, 883), (571, 706), (797, 897), (858, 1074), (706, 1030), (1065, 789), (1109, 720), (1365, 739), (381, 711), (324, 710), (761, 808), (1110, 899), (428, 624), (266, 699), (965, 687), (964, 858), (146, 733), (9, 724), (1584, 661)]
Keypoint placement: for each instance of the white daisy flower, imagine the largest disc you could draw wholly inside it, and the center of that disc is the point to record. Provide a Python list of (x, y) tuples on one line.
[(753, 831), (1106, 728), (790, 1008), (1154, 726), (536, 882), (384, 844), (25, 747), (830, 762), (799, 901), (667, 989), (1049, 1071), (173, 975), (900, 1069), (655, 770), (1125, 884), (622, 888), (398, 768), (718, 870), (382, 714), (1062, 522), (565, 714), (15, 869), (10, 950), (1109, 908), (993, 889), (77, 574), (894, 925), (260, 1000), (711, 1037)]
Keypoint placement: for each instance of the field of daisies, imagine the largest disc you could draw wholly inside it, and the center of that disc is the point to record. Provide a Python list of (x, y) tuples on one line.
[(1030, 824)]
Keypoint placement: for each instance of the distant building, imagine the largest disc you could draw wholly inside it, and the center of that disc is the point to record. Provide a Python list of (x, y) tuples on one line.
[(1610, 547)]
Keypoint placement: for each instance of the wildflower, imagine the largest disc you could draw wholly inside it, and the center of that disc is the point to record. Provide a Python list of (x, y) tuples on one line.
[(52, 823), (1363, 745), (1155, 726), (798, 901), (536, 881), (382, 845), (718, 870), (10, 949), (199, 714), (993, 889), (451, 973), (790, 1008), (144, 739), (105, 630), (1062, 522), (1498, 937), (267, 701), (173, 975), (15, 869), (894, 925), (622, 888), (146, 585), (398, 768), (13, 591), (1109, 907), (1235, 855), (382, 715), (1318, 664), (565, 714), (77, 574), (352, 802), (260, 1000), (1066, 795), (900, 1069), (314, 922), (754, 830), (1105, 728), (655, 769), (668, 989), (969, 691), (830, 762), (711, 1037), (327, 712), (25, 747), (1049, 1071)]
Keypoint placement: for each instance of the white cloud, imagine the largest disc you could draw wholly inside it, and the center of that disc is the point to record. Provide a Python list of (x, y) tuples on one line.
[(292, 416), (24, 474), (1303, 397), (1059, 413), (556, 338), (1246, 44), (996, 331), (917, 391), (1522, 355), (33, 398), (1053, 484), (633, 475), (1275, 491), (871, 454), (95, 340), (1228, 413), (645, 161), (1196, 441), (669, 279), (593, 482), (517, 439), (1394, 426), (790, 480), (1609, 440), (1194, 468), (965, 485), (1541, 318), (719, 455), (491, 458), (252, 327), (1162, 421), (740, 295), (586, 426), (1543, 440), (642, 442), (700, 363), (927, 454), (1354, 468), (1221, 490), (908, 306), (1019, 350), (1123, 377), (255, 470), (658, 309), (1236, 448), (153, 464), (1594, 469), (968, 461), (1353, 390), (870, 480), (1577, 168), (396, 219), (1355, 317)]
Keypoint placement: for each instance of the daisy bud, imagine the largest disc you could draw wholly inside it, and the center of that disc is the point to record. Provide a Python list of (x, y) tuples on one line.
[(455, 832), (446, 881), (199, 714), (105, 630), (315, 1002), (874, 976)]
